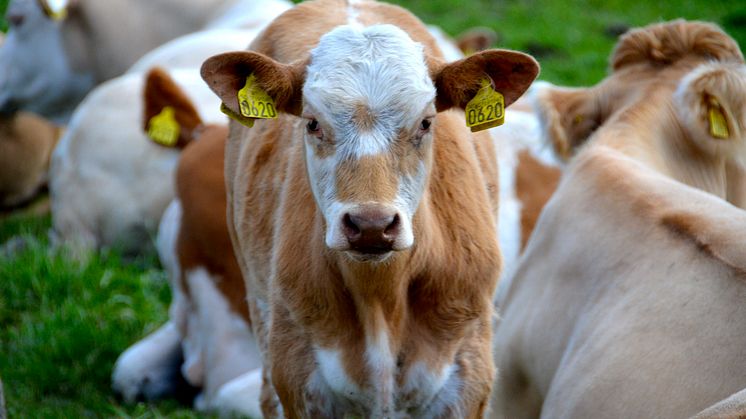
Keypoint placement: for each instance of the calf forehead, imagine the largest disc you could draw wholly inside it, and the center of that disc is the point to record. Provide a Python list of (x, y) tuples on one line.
[(374, 76)]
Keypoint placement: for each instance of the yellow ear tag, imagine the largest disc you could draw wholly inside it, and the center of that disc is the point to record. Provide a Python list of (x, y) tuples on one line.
[(163, 128), (486, 109), (718, 123), (55, 9), (249, 122), (254, 102)]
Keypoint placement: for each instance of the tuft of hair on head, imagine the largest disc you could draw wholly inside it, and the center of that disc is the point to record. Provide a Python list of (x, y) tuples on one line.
[(160, 92), (666, 43)]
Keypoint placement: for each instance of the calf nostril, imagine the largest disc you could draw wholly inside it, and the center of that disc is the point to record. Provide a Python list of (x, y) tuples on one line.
[(393, 228), (351, 229)]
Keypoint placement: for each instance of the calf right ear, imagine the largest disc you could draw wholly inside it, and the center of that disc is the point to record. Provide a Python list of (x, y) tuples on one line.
[(568, 116), (227, 73)]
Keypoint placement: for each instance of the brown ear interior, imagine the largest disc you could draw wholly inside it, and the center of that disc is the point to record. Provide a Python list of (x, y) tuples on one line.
[(569, 116), (511, 73), (226, 74), (161, 91)]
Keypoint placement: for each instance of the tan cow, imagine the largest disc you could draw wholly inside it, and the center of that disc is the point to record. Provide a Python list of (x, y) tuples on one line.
[(628, 302), (209, 319), (26, 143), (363, 216)]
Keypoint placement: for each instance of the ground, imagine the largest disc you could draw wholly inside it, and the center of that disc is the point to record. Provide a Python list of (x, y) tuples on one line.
[(63, 323)]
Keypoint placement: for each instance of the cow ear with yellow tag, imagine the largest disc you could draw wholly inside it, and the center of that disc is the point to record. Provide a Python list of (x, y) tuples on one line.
[(717, 120), (56, 9), (253, 86), (170, 119), (483, 84)]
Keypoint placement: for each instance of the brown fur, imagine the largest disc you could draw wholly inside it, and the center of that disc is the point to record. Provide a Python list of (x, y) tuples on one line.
[(534, 185), (160, 91), (433, 300), (203, 239), (26, 144)]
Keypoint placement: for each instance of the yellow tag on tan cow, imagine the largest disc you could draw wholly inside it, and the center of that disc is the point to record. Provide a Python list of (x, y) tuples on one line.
[(163, 128), (249, 122), (254, 102), (718, 122), (55, 9), (486, 109)]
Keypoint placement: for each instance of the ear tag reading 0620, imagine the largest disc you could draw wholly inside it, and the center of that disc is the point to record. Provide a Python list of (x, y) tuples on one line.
[(718, 123), (163, 128), (486, 109), (254, 102), (249, 122)]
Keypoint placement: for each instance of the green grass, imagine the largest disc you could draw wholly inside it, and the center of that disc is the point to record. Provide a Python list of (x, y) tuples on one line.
[(63, 323)]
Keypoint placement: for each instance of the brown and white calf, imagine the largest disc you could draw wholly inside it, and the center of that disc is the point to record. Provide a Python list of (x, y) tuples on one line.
[(629, 299), (363, 217), (209, 323)]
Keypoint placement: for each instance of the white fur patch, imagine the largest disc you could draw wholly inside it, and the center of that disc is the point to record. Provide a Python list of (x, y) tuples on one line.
[(379, 67), (382, 366), (240, 396), (224, 343), (330, 365)]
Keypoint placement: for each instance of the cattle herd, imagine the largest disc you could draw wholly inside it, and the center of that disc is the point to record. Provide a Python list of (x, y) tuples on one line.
[(347, 231)]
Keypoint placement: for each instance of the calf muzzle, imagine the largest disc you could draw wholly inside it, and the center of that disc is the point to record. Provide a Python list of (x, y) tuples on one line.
[(371, 229)]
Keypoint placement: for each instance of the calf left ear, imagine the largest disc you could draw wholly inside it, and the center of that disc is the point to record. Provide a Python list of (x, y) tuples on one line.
[(510, 72), (227, 73)]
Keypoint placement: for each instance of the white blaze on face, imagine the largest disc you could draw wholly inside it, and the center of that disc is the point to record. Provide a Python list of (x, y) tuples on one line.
[(369, 89)]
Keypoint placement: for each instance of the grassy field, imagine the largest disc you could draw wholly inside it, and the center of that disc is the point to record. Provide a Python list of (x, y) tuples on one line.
[(63, 323)]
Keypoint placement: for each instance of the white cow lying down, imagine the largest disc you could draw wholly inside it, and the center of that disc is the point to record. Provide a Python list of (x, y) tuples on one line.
[(47, 66), (109, 184)]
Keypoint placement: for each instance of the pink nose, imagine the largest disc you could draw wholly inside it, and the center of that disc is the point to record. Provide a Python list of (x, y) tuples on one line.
[(371, 229)]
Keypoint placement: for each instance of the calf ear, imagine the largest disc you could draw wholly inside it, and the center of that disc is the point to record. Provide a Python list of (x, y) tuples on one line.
[(226, 74), (511, 73), (711, 106), (161, 93), (568, 116)]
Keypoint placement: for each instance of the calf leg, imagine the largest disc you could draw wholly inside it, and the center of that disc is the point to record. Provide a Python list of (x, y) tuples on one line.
[(151, 368)]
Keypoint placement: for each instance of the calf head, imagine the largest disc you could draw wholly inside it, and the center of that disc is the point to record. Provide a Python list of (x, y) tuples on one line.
[(646, 58), (689, 67), (35, 72), (369, 99)]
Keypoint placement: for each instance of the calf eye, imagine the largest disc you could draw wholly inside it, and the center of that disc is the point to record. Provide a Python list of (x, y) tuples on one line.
[(16, 20), (314, 128), (425, 124)]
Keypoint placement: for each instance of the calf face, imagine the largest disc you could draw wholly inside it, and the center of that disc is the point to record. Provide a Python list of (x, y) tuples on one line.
[(369, 98)]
